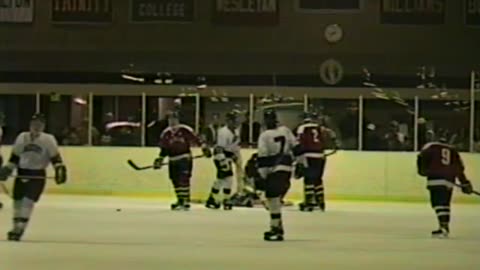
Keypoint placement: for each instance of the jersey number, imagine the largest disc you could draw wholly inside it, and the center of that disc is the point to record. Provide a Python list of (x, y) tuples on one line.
[(446, 156), (282, 141), (315, 135)]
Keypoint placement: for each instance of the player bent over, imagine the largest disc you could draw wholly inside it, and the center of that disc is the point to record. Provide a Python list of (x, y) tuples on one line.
[(441, 164), (32, 152), (276, 149), (175, 143), (313, 139), (226, 153)]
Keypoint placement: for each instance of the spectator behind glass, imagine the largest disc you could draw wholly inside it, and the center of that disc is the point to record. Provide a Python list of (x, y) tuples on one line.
[(245, 130), (209, 133), (349, 128), (373, 139), (396, 140)]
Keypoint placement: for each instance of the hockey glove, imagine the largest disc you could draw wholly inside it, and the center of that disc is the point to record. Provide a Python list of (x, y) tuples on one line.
[(60, 174), (299, 171), (158, 163), (5, 172), (467, 187), (206, 152)]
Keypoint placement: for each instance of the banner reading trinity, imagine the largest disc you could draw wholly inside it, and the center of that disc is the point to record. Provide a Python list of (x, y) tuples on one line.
[(82, 11)]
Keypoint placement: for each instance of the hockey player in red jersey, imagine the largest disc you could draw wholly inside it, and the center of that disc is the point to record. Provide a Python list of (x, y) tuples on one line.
[(314, 139), (175, 143), (441, 164)]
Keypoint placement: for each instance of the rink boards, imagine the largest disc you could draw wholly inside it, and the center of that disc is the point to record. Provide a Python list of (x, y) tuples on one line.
[(348, 175)]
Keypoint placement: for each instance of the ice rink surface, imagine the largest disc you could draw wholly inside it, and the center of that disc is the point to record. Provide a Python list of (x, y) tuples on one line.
[(73, 233)]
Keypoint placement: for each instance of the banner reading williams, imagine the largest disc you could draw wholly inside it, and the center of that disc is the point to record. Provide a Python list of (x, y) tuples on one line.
[(472, 12), (16, 11), (246, 12), (82, 11), (162, 10), (412, 12)]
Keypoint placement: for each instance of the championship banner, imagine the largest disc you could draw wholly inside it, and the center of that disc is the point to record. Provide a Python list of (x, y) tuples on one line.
[(472, 12), (146, 11), (16, 11), (82, 11), (246, 12), (412, 12)]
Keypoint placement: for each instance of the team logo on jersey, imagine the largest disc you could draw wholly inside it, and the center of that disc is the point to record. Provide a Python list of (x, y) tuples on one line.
[(32, 148)]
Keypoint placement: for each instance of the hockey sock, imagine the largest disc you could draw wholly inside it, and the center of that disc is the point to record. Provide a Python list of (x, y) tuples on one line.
[(309, 193), (215, 192), (443, 215), (22, 212), (183, 190), (227, 188), (275, 209), (319, 194)]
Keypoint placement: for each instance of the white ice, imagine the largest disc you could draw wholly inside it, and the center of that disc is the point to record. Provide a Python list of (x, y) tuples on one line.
[(70, 233)]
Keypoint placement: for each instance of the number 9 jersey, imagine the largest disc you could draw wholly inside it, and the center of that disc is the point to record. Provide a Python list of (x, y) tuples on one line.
[(276, 148), (440, 163)]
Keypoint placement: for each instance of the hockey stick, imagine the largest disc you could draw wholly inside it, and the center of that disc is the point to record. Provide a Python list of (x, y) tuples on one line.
[(473, 192), (5, 190), (141, 168)]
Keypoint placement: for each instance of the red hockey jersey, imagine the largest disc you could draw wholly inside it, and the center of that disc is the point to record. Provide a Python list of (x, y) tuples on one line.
[(176, 141)]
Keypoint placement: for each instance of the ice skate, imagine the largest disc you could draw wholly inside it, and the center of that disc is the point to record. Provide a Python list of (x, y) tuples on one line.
[(440, 233), (179, 206), (227, 205), (275, 234), (304, 207), (212, 204), (14, 236)]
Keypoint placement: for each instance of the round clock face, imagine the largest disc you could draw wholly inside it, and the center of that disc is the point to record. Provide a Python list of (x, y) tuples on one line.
[(333, 33)]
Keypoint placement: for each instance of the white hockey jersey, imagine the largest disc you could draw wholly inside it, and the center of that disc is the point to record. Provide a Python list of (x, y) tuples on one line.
[(275, 150), (35, 153), (229, 142)]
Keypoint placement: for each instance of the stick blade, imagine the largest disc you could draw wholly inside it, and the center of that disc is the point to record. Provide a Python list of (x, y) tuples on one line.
[(133, 165)]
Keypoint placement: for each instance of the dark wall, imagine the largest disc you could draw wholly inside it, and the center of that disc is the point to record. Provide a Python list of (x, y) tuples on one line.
[(295, 45)]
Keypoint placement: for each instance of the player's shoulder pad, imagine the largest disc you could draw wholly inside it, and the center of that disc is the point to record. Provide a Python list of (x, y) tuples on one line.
[(304, 126)]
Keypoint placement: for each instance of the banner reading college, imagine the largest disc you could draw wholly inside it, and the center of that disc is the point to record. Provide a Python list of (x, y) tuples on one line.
[(413, 12), (246, 12), (162, 10)]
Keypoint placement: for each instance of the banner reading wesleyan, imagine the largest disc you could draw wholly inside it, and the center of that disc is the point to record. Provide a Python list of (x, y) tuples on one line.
[(16, 11), (162, 10), (418, 12), (246, 12), (82, 11), (472, 12)]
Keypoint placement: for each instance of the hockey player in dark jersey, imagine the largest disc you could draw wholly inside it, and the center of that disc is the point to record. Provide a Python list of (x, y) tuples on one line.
[(442, 165), (175, 143), (277, 147), (313, 138)]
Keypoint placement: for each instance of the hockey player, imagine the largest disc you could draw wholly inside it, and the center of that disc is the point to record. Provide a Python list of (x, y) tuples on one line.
[(32, 152), (313, 139), (276, 149), (226, 153), (441, 164), (175, 143)]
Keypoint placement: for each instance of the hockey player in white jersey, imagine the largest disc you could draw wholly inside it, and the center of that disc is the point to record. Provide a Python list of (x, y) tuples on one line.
[(32, 152), (226, 153), (277, 148)]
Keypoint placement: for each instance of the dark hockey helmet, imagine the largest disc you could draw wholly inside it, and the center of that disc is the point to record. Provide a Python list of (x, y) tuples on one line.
[(310, 116), (270, 118), (40, 117)]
